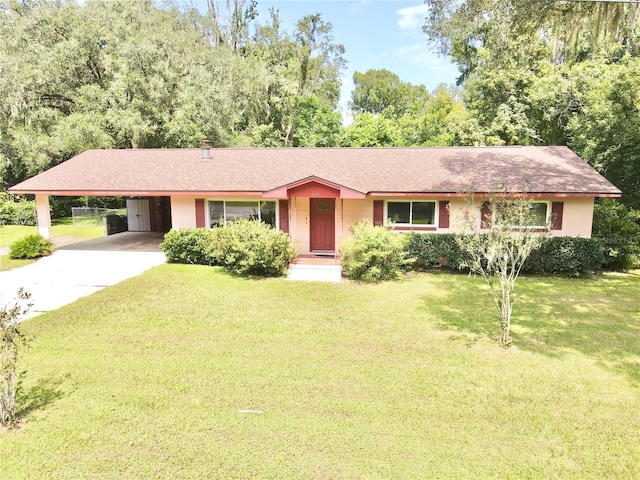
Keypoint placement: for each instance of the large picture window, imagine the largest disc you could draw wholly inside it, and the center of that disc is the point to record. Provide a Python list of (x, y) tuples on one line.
[(412, 213), (536, 217), (222, 211)]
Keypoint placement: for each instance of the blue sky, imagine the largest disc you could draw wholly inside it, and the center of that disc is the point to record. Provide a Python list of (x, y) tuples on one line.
[(376, 34)]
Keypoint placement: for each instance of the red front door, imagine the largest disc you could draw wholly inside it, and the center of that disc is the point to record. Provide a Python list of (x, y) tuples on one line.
[(323, 224)]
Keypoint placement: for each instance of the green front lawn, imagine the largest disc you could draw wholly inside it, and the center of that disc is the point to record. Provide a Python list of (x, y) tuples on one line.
[(62, 230), (186, 372)]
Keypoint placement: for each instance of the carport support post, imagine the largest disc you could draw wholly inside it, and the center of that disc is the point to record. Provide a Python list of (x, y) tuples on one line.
[(44, 215)]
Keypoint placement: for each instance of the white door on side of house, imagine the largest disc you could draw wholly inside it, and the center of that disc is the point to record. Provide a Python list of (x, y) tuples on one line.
[(138, 215)]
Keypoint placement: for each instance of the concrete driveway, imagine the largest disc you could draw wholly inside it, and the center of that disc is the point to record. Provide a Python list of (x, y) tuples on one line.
[(78, 270)]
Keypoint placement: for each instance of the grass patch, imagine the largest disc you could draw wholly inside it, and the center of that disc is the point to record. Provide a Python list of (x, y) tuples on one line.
[(186, 372), (62, 228), (7, 263), (63, 233)]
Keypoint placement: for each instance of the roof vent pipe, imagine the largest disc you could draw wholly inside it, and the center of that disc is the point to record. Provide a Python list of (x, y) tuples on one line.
[(204, 150)]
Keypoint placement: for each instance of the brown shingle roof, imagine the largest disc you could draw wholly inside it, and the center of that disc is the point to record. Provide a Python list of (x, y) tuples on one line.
[(368, 170)]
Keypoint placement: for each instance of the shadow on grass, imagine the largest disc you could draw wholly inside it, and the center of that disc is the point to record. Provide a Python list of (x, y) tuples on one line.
[(599, 318), (38, 397), (467, 309)]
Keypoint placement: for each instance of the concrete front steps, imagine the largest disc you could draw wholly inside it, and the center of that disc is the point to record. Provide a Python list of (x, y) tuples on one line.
[(315, 269)]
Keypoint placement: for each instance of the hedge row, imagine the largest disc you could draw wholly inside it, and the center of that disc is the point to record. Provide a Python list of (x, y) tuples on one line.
[(14, 211), (374, 254), (243, 247), (557, 256)]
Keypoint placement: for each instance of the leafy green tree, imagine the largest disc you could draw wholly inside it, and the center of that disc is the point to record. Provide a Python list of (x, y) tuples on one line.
[(605, 129), (569, 31), (317, 123), (436, 122), (303, 65), (437, 119), (121, 74), (106, 74), (618, 227), (498, 246), (381, 91), (369, 130), (228, 22)]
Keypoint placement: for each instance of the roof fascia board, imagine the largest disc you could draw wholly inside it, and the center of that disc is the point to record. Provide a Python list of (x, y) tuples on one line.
[(281, 192)]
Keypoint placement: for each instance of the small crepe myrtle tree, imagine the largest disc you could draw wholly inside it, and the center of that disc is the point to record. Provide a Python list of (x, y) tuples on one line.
[(11, 341), (496, 244)]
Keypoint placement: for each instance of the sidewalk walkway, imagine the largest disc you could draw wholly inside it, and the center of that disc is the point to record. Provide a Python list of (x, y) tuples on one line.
[(314, 269)]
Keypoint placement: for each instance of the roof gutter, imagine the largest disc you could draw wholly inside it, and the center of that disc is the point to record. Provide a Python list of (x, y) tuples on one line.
[(136, 193), (484, 194)]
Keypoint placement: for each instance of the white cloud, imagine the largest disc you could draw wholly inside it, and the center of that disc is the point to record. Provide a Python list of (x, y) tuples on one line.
[(412, 18), (357, 6)]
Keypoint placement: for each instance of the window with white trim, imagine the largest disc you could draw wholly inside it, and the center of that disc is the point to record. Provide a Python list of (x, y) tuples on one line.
[(223, 211), (412, 213), (536, 217), (539, 215)]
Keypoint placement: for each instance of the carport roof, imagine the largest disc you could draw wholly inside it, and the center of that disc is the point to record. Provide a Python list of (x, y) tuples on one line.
[(370, 171)]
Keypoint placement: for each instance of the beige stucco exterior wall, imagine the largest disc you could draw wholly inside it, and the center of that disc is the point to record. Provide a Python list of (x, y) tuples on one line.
[(299, 224), (183, 212), (577, 218), (456, 208), (353, 211)]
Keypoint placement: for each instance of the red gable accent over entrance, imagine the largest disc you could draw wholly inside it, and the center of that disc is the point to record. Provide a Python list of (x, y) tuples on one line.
[(313, 190), (313, 187)]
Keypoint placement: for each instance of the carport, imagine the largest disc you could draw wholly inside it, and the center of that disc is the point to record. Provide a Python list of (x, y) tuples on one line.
[(121, 242), (144, 214)]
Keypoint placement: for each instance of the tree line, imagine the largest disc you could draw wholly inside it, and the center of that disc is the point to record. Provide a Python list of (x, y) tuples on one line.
[(550, 72), (121, 74)]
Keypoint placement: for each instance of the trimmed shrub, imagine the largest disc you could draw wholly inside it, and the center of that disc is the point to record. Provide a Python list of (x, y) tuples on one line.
[(557, 256), (434, 250), (618, 228), (250, 247), (14, 211), (568, 256), (31, 246), (188, 245), (374, 253)]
